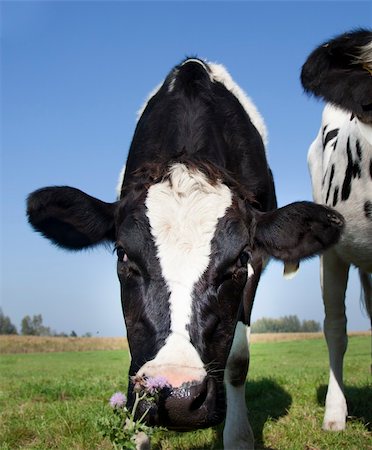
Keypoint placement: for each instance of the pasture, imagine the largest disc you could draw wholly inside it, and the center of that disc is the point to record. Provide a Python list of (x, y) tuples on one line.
[(53, 399)]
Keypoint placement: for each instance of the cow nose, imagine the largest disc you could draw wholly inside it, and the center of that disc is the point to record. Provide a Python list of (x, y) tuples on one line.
[(187, 407)]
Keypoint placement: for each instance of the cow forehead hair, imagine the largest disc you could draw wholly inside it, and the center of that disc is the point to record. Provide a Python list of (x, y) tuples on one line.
[(157, 171), (184, 209)]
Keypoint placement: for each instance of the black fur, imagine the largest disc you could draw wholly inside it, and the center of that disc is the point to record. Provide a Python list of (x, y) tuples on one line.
[(331, 73), (352, 171), (335, 196), (70, 218), (368, 209), (330, 182), (298, 230), (329, 136)]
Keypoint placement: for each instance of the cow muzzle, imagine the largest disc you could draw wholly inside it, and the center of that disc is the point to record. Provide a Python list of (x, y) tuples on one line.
[(190, 406)]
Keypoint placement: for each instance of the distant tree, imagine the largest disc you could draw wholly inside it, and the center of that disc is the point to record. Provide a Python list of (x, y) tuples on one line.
[(73, 334), (6, 326), (62, 334), (26, 326), (265, 325), (87, 334), (310, 326), (34, 326), (290, 324), (286, 324)]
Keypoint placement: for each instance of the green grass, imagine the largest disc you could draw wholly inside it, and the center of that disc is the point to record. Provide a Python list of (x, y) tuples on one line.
[(53, 400)]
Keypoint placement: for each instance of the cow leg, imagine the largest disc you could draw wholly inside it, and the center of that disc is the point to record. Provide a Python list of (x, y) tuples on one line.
[(237, 433), (334, 276)]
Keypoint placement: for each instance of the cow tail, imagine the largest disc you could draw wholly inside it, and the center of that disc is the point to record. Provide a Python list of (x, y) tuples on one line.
[(366, 281)]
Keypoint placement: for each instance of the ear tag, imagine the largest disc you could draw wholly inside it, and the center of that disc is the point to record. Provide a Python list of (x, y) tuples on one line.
[(290, 270)]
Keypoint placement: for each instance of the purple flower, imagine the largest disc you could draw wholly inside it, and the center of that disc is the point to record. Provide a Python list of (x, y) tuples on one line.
[(155, 384), (118, 400)]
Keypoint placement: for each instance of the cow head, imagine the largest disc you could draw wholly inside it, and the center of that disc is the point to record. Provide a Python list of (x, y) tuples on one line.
[(187, 241), (339, 71)]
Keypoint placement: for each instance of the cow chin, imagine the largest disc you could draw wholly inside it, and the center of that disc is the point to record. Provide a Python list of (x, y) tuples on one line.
[(188, 407)]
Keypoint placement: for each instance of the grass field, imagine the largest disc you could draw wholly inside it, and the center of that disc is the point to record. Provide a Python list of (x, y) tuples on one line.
[(52, 400)]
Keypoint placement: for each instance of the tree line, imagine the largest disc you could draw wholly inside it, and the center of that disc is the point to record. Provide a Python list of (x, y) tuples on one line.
[(31, 326), (286, 324)]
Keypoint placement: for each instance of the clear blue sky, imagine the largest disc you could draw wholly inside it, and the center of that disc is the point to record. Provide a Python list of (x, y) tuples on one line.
[(73, 76)]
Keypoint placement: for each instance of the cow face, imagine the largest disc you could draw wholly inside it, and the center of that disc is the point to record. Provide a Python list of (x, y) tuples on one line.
[(183, 264), (187, 249)]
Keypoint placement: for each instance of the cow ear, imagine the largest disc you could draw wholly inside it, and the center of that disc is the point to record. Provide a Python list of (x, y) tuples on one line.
[(297, 231), (70, 218)]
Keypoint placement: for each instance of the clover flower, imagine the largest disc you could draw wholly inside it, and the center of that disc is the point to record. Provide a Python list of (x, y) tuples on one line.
[(118, 400), (154, 384)]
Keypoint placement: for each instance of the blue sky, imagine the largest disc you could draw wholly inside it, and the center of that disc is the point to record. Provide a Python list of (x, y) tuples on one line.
[(73, 75)]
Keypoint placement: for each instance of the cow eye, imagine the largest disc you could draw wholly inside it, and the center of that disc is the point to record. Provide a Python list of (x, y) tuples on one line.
[(120, 253), (244, 258)]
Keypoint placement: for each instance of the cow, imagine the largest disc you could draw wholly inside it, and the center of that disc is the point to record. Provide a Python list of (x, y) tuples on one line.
[(193, 227), (340, 162)]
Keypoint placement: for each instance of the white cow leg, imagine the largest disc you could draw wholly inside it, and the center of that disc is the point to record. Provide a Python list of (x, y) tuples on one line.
[(334, 275), (237, 433)]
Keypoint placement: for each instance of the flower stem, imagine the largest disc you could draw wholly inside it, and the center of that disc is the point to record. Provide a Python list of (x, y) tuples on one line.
[(136, 402), (144, 415)]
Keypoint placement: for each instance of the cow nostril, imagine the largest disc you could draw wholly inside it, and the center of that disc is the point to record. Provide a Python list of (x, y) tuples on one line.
[(192, 405), (200, 396)]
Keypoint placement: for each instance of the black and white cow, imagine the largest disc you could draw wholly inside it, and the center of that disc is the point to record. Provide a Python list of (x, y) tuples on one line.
[(340, 162), (195, 223)]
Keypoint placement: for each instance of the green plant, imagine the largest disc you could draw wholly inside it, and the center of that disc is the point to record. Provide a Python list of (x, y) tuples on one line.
[(123, 429)]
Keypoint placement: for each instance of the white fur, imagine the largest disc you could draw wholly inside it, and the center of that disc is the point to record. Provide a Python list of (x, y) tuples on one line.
[(237, 433), (365, 56), (250, 270), (178, 361), (365, 131), (183, 213), (120, 181), (336, 408), (355, 245)]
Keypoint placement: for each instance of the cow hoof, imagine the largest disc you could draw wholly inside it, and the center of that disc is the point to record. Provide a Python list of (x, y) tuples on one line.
[(335, 416), (334, 423)]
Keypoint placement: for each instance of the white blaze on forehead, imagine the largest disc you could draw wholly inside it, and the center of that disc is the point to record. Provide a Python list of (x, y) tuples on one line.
[(183, 212)]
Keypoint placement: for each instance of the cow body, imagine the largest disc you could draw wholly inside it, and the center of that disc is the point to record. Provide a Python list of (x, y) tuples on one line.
[(340, 162), (194, 225)]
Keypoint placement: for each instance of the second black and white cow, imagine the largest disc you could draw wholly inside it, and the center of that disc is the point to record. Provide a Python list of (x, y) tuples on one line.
[(195, 223), (340, 161)]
